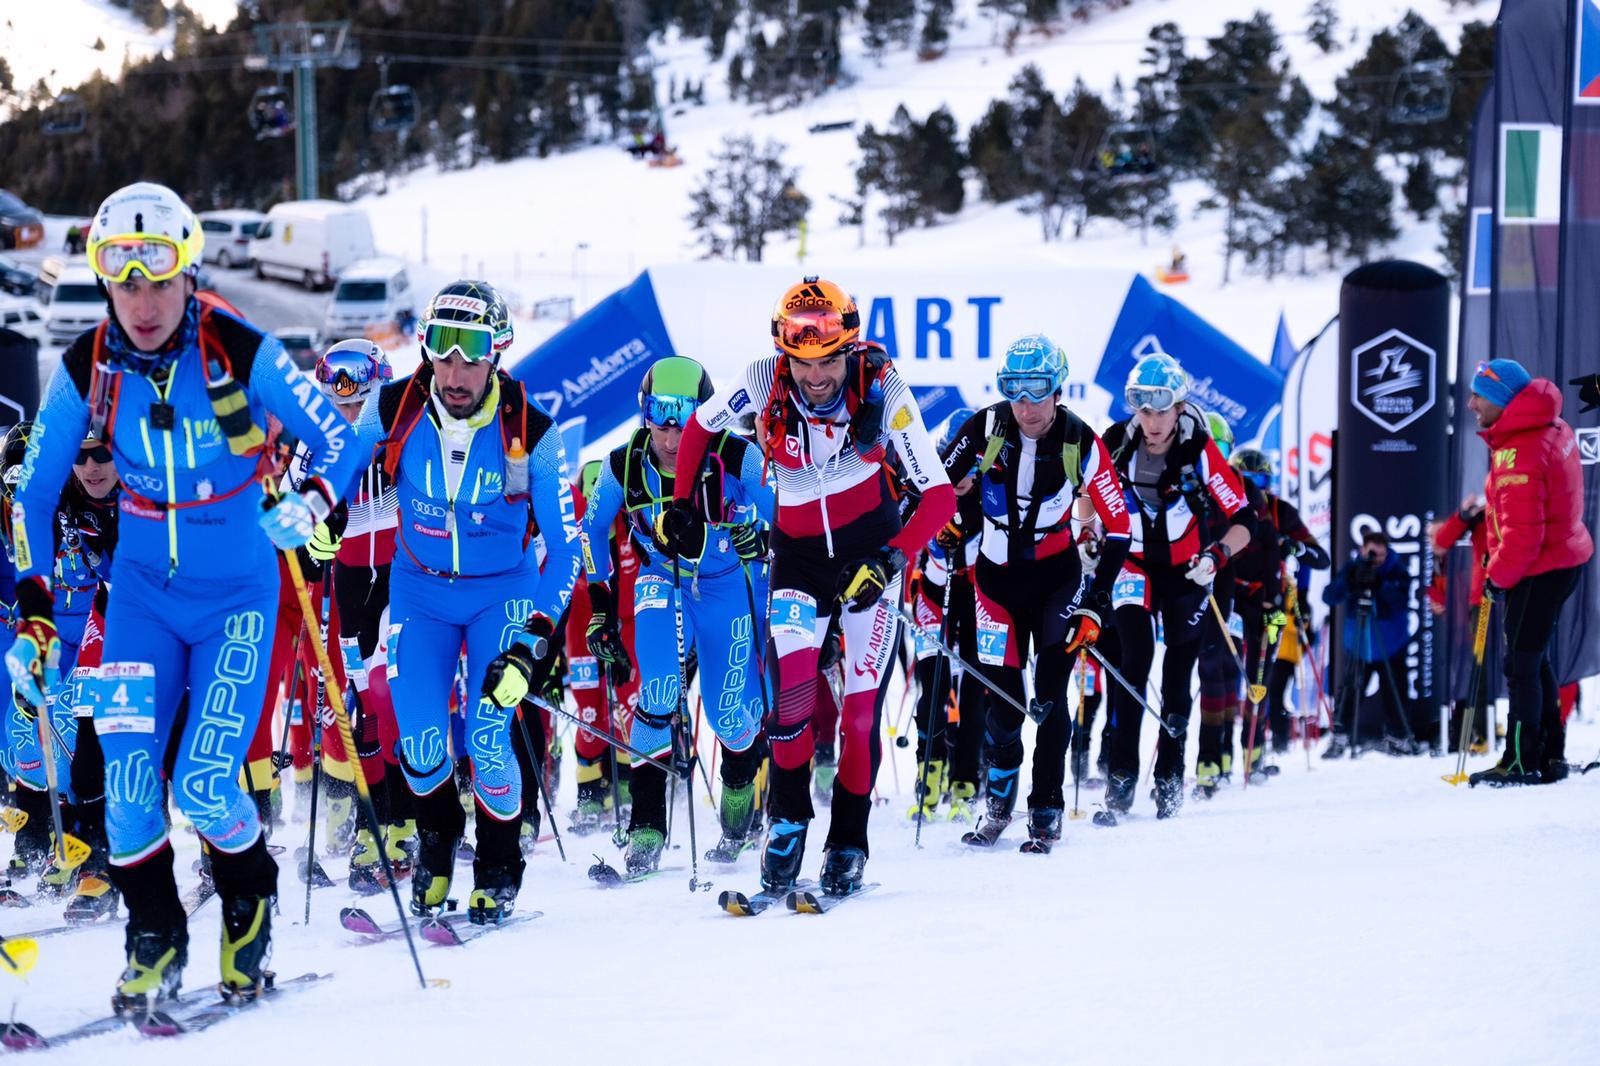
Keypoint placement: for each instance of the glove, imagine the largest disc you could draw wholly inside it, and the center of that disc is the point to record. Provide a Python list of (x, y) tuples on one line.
[(34, 659), (8, 618), (1289, 547), (862, 584), (1588, 392), (604, 637), (1203, 567), (328, 535), (1088, 543), (324, 543), (290, 521), (950, 538), (680, 531), (749, 541), (832, 649), (1083, 629), (523, 667)]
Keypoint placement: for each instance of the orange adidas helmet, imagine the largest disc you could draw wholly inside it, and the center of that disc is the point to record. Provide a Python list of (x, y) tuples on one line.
[(815, 319)]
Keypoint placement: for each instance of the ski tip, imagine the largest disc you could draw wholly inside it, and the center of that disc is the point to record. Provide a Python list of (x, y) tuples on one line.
[(735, 903), (19, 1037), (437, 931), (605, 875), (802, 903)]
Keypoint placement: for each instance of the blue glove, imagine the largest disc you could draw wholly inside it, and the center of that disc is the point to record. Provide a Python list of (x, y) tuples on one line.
[(290, 521)]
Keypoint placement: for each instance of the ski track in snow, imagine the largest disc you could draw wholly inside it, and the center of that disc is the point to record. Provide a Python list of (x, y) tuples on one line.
[(1354, 913)]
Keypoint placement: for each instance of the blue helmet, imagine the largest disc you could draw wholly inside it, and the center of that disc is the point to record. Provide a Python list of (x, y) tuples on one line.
[(1156, 383), (1035, 368), (958, 418)]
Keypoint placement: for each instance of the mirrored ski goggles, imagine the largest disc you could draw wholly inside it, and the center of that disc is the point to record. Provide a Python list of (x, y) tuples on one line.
[(1258, 478), (1151, 397), (473, 342), (93, 450), (816, 327), (347, 375), (1035, 387), (116, 258), (667, 411)]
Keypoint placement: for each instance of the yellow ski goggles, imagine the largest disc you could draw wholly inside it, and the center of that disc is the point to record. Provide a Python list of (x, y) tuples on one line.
[(158, 258)]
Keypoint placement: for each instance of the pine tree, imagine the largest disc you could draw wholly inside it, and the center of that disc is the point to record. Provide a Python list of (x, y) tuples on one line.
[(992, 146), (745, 196), (935, 27), (1421, 188), (1322, 25)]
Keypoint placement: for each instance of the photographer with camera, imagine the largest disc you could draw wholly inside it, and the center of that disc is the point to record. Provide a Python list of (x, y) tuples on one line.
[(1373, 586)]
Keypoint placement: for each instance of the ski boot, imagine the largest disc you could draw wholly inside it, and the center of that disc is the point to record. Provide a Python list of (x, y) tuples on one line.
[(1225, 770), (1044, 829), (737, 812), (246, 945), (1207, 775), (494, 892), (842, 870), (1168, 794), (1337, 747), (59, 875), (366, 872), (430, 881), (929, 789), (154, 972), (400, 842), (643, 855), (824, 767), (93, 897), (999, 803), (1507, 773), (1119, 798), (780, 859), (528, 829), (302, 794), (963, 798), (594, 802), (340, 826)]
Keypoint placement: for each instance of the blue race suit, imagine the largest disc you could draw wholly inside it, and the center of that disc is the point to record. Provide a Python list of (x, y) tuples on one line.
[(85, 537), (467, 573), (717, 609), (195, 580)]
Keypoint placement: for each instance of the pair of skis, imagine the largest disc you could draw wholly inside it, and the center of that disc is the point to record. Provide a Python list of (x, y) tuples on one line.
[(450, 930), (191, 1012), (801, 898)]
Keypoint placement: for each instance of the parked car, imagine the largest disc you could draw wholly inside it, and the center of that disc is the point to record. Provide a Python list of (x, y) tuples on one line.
[(311, 241), (373, 293), (228, 236), (24, 317), (17, 279), (20, 225), (71, 297), (302, 343)]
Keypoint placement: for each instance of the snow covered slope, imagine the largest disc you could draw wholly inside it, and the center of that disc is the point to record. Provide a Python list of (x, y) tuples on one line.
[(583, 223), (1351, 913), (55, 39)]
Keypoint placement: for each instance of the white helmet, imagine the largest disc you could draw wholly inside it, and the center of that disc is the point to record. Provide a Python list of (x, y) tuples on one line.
[(148, 228)]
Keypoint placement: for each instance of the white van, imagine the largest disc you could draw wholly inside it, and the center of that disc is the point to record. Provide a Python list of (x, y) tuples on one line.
[(228, 236), (374, 293), (71, 297), (311, 241), (22, 316)]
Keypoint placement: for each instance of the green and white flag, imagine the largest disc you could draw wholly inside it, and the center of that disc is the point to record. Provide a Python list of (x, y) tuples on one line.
[(1530, 173)]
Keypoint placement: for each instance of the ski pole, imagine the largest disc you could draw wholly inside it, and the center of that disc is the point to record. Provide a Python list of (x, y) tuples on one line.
[(609, 737), (618, 836), (70, 851), (681, 733), (1112, 672), (1077, 813), (1269, 636), (535, 759), (1480, 640), (1222, 624), (1036, 714), (280, 758), (936, 696), (347, 736)]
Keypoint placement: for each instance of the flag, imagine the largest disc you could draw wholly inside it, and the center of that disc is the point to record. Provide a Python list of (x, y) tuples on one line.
[(1283, 349)]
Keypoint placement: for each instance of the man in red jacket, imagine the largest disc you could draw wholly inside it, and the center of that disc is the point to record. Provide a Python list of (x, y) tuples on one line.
[(1537, 547)]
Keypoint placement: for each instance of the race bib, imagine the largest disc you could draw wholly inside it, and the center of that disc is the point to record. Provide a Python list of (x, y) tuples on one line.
[(392, 651), (993, 636), (1128, 590), (1236, 626), (585, 673), (793, 614), (123, 696)]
